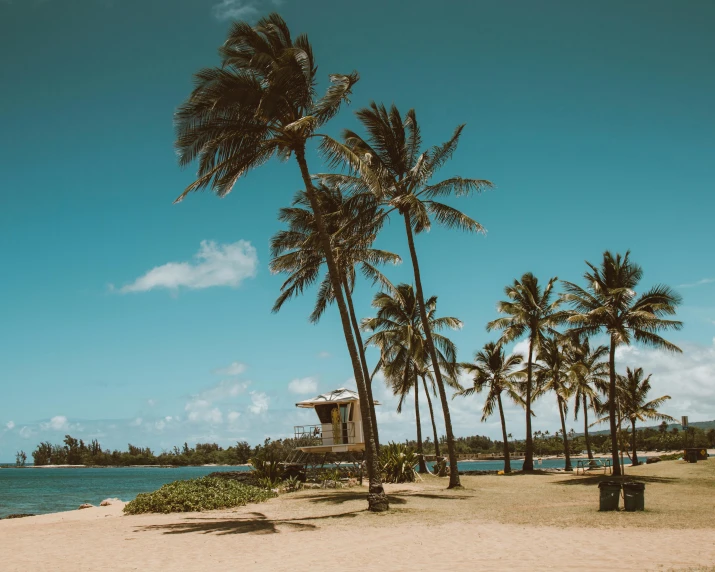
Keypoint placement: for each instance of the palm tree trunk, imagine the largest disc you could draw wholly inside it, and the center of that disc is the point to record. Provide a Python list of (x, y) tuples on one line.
[(363, 361), (376, 498), (612, 407), (634, 460), (431, 414), (585, 428), (507, 460), (453, 469), (567, 454), (420, 450), (529, 452)]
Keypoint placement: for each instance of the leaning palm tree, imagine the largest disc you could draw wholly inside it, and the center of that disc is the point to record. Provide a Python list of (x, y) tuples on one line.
[(632, 391), (497, 373), (530, 312), (259, 103), (552, 375), (391, 164), (400, 337), (298, 252), (587, 374), (609, 302)]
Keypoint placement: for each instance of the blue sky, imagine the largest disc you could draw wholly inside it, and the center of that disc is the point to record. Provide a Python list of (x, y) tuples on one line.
[(127, 318)]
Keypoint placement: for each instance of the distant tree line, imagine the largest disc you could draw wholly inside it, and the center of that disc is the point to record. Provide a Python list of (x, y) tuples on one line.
[(76, 452)]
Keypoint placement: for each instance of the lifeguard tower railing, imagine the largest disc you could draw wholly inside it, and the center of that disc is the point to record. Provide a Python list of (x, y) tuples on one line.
[(326, 434)]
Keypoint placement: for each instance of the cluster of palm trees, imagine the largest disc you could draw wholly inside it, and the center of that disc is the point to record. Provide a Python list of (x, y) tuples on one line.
[(261, 102), (564, 362)]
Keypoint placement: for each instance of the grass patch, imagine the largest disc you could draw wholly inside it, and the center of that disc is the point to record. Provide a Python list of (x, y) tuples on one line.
[(195, 495)]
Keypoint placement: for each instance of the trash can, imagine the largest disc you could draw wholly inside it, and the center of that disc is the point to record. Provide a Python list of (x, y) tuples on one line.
[(634, 496), (610, 493), (691, 455)]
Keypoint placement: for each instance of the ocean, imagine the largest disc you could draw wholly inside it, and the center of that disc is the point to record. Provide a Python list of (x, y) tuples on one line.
[(41, 491)]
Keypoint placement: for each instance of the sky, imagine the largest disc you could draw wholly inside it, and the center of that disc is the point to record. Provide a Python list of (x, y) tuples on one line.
[(126, 318)]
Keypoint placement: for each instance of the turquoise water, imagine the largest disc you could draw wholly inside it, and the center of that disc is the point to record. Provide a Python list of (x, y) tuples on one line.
[(40, 491)]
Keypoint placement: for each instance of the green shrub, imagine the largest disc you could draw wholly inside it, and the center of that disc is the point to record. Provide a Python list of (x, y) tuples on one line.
[(206, 493), (397, 463)]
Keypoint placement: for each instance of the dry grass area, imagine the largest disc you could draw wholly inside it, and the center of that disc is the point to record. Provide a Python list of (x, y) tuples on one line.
[(494, 522)]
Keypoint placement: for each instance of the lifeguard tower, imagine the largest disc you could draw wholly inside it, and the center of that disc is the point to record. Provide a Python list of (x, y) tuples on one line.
[(338, 439)]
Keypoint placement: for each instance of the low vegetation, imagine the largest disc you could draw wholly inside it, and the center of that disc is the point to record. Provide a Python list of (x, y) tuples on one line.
[(195, 495)]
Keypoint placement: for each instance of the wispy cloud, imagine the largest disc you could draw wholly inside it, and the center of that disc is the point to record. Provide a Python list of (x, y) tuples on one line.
[(235, 9), (214, 265), (235, 368), (259, 402), (698, 283), (303, 385), (10, 425), (324, 355), (57, 423)]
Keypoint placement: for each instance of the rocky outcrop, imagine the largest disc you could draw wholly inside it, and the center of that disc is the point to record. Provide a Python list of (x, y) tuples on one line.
[(109, 502), (21, 515), (86, 505)]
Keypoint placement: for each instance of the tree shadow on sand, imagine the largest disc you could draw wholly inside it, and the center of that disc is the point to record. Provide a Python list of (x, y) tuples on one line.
[(252, 523), (343, 497), (595, 479)]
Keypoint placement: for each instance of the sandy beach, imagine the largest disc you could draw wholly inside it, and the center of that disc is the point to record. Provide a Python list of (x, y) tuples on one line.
[(521, 522)]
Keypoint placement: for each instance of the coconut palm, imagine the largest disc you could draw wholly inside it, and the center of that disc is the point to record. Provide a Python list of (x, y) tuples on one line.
[(632, 393), (259, 103), (552, 375), (493, 371), (610, 303), (391, 164), (297, 251), (530, 312), (400, 337), (588, 377)]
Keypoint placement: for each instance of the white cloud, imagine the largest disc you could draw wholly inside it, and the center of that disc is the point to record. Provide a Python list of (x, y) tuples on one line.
[(10, 425), (137, 422), (303, 385), (259, 402), (223, 390), (324, 355), (57, 423), (26, 432), (235, 368), (151, 402), (233, 416), (235, 9), (698, 283), (215, 265)]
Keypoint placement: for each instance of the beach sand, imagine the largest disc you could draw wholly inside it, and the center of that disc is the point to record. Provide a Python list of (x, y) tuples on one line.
[(521, 522)]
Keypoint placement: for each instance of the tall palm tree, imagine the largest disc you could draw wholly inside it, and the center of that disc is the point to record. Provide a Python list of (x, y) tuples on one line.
[(632, 391), (260, 102), (530, 312), (400, 337), (298, 252), (552, 375), (609, 302), (497, 373), (587, 374), (391, 164)]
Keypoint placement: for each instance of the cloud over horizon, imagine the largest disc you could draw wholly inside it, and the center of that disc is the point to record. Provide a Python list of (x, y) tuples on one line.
[(214, 265)]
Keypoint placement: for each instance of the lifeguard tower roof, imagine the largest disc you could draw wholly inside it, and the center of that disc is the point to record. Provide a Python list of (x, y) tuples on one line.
[(341, 395)]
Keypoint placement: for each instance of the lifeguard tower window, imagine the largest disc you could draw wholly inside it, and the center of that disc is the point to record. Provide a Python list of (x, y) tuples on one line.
[(325, 411)]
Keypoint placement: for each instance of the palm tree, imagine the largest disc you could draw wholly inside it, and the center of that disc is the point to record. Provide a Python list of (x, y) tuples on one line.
[(609, 302), (552, 375), (632, 393), (260, 102), (711, 437), (297, 251), (400, 337), (391, 165), (495, 372), (530, 312)]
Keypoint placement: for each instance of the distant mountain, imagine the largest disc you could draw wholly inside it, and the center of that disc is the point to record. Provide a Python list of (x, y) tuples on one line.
[(704, 425)]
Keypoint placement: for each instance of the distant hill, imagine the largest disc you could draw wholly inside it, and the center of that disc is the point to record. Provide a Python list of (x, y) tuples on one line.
[(704, 425)]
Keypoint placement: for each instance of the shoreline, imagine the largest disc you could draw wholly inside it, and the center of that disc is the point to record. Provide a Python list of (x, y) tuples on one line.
[(119, 466)]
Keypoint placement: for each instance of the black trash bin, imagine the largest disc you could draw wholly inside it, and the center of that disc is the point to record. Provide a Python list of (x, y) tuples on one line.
[(610, 493), (634, 496), (691, 455)]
